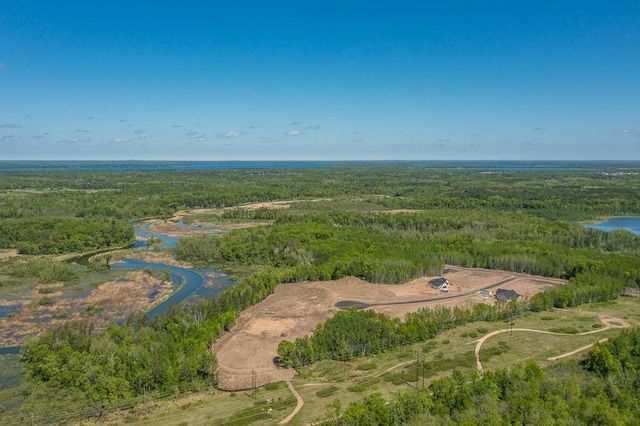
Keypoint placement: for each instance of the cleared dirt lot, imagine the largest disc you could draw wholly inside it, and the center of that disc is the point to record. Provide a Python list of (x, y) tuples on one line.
[(294, 310)]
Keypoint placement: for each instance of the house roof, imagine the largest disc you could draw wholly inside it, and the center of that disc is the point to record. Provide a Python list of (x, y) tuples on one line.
[(505, 295), (437, 282)]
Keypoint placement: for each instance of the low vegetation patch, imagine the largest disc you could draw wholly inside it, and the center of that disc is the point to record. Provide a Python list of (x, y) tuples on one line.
[(45, 301), (365, 366), (399, 378), (272, 386), (565, 330), (463, 360), (487, 353), (323, 393)]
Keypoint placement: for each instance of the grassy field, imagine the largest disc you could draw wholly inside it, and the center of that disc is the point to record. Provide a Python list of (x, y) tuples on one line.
[(321, 384)]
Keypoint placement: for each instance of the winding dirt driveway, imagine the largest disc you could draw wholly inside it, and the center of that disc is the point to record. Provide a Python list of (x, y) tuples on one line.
[(609, 322)]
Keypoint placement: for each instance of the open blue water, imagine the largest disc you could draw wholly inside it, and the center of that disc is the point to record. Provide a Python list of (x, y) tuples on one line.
[(193, 281), (6, 310), (144, 232), (200, 165), (631, 224)]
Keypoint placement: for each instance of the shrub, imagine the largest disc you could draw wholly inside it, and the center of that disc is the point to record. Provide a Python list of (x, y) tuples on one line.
[(64, 314), (367, 366), (565, 330), (358, 388), (483, 330), (282, 404), (399, 378), (45, 301), (272, 386)]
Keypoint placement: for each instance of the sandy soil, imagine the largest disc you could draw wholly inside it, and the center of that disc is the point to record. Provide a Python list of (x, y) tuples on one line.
[(294, 310), (287, 205), (8, 253), (113, 300), (172, 228)]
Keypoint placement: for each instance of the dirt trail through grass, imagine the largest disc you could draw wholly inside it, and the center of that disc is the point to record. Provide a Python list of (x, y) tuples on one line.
[(609, 323), (298, 405)]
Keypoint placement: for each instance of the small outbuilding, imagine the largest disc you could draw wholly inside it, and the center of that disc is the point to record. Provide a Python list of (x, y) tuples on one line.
[(504, 295)]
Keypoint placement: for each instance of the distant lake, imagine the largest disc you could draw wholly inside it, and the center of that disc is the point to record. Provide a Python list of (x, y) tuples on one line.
[(631, 224), (487, 166)]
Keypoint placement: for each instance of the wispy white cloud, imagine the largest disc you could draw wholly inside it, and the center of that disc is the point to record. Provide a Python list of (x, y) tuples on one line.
[(295, 133), (623, 132), (74, 141), (12, 126), (231, 134), (192, 134), (312, 128), (120, 140)]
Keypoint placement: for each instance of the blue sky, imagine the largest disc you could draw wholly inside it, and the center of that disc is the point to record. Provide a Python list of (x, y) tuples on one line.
[(330, 80)]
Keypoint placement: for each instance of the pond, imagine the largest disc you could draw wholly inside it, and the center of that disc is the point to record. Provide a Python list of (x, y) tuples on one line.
[(631, 224)]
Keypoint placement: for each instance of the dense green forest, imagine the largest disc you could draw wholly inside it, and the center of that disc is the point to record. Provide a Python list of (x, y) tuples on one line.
[(612, 189), (517, 221), (63, 235)]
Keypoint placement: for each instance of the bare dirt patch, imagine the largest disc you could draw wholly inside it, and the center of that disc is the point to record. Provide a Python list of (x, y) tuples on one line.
[(294, 310), (270, 205), (8, 253)]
